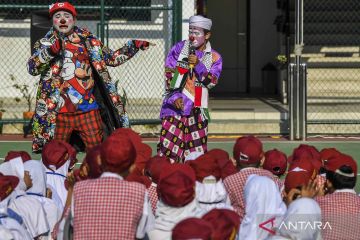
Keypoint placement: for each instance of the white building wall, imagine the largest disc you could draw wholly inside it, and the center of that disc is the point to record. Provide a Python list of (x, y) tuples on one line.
[(188, 10)]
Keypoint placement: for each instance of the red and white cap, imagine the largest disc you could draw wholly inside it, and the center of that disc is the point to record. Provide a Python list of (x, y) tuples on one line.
[(55, 153), (305, 164), (14, 154), (328, 153), (296, 178), (7, 185), (204, 166), (275, 162), (62, 6), (143, 151), (192, 228), (334, 165), (176, 186), (117, 153), (226, 166), (307, 151), (225, 223), (248, 150), (155, 166)]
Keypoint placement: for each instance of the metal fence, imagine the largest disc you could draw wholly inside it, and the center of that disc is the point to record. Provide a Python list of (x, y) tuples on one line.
[(115, 22), (331, 52)]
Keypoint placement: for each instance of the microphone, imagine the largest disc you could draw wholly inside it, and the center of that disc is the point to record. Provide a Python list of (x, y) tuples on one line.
[(191, 51), (61, 37)]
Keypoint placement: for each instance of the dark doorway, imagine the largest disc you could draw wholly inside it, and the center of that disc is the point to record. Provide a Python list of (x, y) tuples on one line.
[(229, 38)]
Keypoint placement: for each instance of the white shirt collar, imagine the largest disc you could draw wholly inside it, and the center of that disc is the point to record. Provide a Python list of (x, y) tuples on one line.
[(110, 174), (346, 190), (207, 47)]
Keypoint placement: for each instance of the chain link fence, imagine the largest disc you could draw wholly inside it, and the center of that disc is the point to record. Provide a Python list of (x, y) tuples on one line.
[(331, 52), (141, 77), (115, 22)]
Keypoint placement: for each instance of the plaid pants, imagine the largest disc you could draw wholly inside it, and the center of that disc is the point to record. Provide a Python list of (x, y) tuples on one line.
[(182, 135), (88, 124)]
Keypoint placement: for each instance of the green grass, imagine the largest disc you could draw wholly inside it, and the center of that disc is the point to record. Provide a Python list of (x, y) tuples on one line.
[(347, 147)]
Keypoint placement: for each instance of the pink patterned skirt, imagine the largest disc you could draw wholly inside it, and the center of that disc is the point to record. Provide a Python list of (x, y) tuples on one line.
[(182, 135)]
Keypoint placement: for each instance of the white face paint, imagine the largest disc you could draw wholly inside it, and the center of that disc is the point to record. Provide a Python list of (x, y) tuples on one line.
[(197, 35), (63, 22)]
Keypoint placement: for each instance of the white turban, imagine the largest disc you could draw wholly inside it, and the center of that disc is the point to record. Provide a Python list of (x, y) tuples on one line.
[(200, 21)]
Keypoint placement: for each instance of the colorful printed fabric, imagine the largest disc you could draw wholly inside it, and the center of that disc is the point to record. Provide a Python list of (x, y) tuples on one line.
[(48, 99), (88, 125), (182, 135), (194, 89), (204, 77), (78, 86)]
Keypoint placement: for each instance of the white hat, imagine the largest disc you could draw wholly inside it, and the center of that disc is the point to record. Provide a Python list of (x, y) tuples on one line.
[(200, 21)]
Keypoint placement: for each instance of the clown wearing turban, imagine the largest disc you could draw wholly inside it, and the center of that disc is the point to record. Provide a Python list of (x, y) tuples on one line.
[(192, 67)]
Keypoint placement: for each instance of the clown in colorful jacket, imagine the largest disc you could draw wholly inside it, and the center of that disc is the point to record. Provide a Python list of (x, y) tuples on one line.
[(75, 84)]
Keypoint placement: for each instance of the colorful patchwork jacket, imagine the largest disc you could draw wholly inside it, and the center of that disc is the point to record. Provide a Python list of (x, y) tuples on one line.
[(48, 94)]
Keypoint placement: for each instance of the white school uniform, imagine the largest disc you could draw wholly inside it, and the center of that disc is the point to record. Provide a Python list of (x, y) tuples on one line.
[(17, 230), (55, 179), (38, 191), (5, 233), (166, 217), (212, 194), (27, 207)]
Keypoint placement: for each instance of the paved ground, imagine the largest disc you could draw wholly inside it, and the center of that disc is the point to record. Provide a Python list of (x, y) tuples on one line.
[(252, 116)]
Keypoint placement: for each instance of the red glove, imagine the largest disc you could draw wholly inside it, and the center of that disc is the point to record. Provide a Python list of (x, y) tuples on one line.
[(143, 45), (55, 48)]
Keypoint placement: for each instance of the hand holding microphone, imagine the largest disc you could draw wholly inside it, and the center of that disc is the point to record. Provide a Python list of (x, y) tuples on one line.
[(56, 47), (193, 60)]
